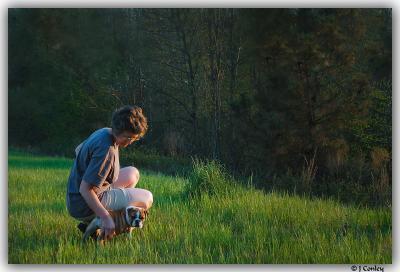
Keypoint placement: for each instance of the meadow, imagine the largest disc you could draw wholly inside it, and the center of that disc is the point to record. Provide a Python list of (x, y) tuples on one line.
[(202, 218)]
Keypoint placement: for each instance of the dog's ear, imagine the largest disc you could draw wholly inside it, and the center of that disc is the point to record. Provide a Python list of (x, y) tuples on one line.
[(146, 213), (131, 211)]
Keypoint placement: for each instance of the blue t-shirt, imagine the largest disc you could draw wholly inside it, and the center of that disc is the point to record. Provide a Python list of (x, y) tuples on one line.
[(97, 163)]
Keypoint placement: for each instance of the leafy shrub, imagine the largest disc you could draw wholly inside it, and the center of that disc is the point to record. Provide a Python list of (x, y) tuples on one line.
[(208, 177)]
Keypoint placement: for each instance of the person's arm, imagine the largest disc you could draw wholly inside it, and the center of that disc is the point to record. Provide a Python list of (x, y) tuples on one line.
[(86, 190)]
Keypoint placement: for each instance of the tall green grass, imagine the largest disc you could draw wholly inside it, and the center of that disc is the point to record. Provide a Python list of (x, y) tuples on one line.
[(209, 177), (216, 223)]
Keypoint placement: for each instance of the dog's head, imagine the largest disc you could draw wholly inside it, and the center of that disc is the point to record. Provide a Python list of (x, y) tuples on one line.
[(135, 216)]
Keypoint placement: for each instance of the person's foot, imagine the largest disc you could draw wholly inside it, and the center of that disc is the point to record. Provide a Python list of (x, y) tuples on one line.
[(82, 227)]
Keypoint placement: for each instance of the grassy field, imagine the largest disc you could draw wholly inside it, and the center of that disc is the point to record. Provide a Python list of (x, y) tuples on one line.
[(242, 225)]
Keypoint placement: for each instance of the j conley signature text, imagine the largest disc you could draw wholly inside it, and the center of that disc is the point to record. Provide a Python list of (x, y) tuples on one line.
[(367, 268)]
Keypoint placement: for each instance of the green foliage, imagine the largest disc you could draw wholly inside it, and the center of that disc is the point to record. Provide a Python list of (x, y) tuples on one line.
[(209, 178), (376, 130)]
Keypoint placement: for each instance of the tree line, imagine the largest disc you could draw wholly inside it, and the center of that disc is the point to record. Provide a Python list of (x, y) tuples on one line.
[(276, 93)]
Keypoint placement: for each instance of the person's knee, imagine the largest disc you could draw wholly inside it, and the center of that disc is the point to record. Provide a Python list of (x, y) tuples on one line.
[(148, 199), (134, 175), (140, 197)]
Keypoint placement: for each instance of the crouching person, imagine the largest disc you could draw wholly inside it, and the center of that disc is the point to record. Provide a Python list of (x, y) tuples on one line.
[(96, 184)]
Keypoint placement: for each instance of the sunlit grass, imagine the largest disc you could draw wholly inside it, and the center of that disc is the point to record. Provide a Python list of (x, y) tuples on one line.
[(242, 225)]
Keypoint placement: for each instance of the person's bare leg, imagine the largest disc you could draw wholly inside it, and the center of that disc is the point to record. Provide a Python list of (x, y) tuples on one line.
[(140, 197), (128, 177)]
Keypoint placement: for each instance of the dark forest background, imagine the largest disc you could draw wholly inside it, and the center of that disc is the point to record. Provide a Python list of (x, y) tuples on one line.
[(295, 99)]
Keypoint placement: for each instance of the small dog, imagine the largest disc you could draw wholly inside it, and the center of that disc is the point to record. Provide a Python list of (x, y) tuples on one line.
[(125, 220)]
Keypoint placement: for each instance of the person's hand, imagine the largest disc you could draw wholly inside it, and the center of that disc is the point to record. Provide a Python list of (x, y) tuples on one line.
[(107, 227)]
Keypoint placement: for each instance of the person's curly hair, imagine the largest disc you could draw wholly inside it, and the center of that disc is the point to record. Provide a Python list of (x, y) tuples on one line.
[(130, 119)]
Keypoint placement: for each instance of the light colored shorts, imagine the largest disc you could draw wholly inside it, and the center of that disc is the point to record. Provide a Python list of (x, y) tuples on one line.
[(119, 198)]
